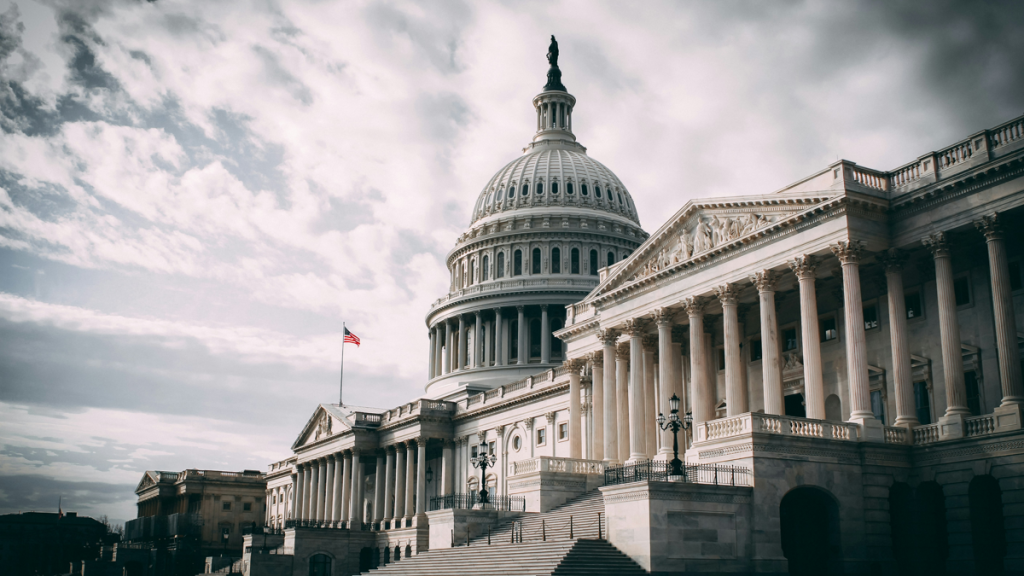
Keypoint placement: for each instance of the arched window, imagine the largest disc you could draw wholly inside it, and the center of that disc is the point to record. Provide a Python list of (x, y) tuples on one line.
[(526, 189), (574, 261), (535, 265), (611, 258), (568, 188), (556, 260), (534, 338), (465, 276), (488, 201), (593, 262), (517, 263), (319, 565), (620, 198), (499, 271), (597, 191), (584, 190), (511, 193), (554, 187), (483, 273), (538, 189)]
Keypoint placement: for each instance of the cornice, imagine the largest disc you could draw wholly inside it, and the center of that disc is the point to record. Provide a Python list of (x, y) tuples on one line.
[(568, 291), (541, 394), (963, 184), (576, 331), (509, 237)]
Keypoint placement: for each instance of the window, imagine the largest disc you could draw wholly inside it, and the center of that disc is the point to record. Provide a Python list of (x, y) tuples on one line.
[(556, 261), (273, 499), (921, 403), (574, 261), (828, 329), (511, 191), (247, 506), (583, 189), (538, 189), (542, 436), (517, 443), (568, 188), (499, 271), (597, 191), (755, 349), (319, 565), (973, 394), (563, 431), (486, 265), (535, 264), (525, 189), (472, 267), (721, 359), (554, 187), (877, 406), (620, 198), (490, 447), (611, 258), (474, 451), (962, 290), (1015, 279), (517, 263), (870, 317), (226, 505), (789, 341), (593, 262), (913, 304)]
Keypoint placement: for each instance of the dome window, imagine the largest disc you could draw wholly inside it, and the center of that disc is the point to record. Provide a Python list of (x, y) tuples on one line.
[(535, 265), (499, 270), (583, 189), (574, 261), (483, 271), (620, 198), (538, 189), (611, 258), (593, 262), (556, 260), (597, 191), (511, 191), (554, 187), (568, 188), (526, 189), (517, 263)]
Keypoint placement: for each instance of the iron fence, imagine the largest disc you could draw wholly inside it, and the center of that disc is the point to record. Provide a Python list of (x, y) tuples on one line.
[(467, 501), (659, 471)]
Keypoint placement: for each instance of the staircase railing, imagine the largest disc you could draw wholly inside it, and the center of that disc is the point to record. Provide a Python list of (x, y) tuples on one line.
[(468, 501), (660, 471), (577, 526)]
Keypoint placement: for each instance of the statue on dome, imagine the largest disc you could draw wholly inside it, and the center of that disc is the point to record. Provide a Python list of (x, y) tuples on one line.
[(553, 51), (554, 74)]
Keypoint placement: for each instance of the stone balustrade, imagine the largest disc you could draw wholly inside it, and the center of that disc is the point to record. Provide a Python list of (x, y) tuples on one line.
[(926, 434), (896, 435), (980, 425), (756, 422), (504, 285), (553, 464)]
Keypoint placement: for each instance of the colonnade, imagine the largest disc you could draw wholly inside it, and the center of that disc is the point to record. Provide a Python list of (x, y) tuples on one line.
[(624, 413)]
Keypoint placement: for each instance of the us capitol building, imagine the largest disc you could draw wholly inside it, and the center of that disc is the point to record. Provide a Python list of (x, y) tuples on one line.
[(845, 353)]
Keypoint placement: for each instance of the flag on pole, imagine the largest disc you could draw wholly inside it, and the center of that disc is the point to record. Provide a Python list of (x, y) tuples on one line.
[(351, 338)]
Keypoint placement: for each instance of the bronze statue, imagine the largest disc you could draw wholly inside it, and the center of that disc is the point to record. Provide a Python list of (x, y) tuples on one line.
[(553, 51), (554, 74)]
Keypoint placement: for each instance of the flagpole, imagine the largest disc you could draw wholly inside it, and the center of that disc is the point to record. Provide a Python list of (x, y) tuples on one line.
[(341, 383)]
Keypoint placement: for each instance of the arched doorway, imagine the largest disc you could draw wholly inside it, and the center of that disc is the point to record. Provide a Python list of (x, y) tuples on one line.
[(809, 519), (365, 559), (988, 533), (320, 565)]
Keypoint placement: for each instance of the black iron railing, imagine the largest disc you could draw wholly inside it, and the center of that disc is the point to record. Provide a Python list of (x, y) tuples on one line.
[(659, 471), (257, 530), (467, 501), (294, 523)]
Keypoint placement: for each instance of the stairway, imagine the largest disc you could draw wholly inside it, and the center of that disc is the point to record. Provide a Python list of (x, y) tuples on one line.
[(543, 547)]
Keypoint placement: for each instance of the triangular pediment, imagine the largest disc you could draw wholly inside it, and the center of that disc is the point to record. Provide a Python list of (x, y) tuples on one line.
[(149, 479), (327, 420), (703, 228)]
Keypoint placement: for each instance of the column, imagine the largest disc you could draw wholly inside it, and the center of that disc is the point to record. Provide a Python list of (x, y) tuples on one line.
[(545, 335), (421, 476), (597, 404), (462, 343), (949, 326), (906, 415), (410, 478), (354, 504), (856, 342), (814, 385), (389, 484), (339, 483), (681, 363), (710, 366), (1002, 308), (622, 399), (446, 350), (360, 492), (400, 452), (637, 401), (735, 391), (378, 489), (666, 371), (650, 348), (430, 359), (439, 350), (771, 368), (610, 415), (300, 491), (499, 359), (316, 510), (453, 346), (290, 510), (346, 487), (478, 341), (575, 434), (702, 405), (447, 469), (329, 491), (524, 354)]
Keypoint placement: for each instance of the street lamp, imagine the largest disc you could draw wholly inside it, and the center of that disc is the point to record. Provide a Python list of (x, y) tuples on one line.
[(675, 423), (482, 461), (430, 475)]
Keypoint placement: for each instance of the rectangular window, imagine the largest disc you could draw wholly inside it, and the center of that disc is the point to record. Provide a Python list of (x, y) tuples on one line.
[(915, 309), (828, 329), (542, 436), (563, 431), (721, 359), (973, 394), (789, 339), (1015, 279), (755, 349), (490, 448), (870, 317), (226, 505), (247, 506), (877, 406), (921, 403), (473, 452), (962, 290)]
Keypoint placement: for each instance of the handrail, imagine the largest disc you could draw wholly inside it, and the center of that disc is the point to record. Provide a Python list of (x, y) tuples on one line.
[(660, 471), (499, 502)]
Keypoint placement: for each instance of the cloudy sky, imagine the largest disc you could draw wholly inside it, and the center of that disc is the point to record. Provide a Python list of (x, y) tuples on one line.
[(195, 195)]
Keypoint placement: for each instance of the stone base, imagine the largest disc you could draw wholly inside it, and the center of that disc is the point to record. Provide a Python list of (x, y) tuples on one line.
[(546, 490), (951, 427), (1007, 417), (456, 526), (871, 429)]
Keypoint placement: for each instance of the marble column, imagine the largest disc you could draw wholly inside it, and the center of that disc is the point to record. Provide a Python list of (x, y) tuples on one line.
[(499, 358), (545, 335), (336, 488), (360, 493), (410, 478), (771, 368), (300, 491), (421, 476), (400, 474), (575, 439), (650, 348), (524, 354), (438, 350), (355, 516), (329, 491), (637, 400), (856, 342), (462, 343), (346, 486), (447, 470), (610, 434), (702, 405), (378, 489), (814, 385), (906, 414), (679, 363), (735, 388), (949, 326), (622, 399), (1002, 307), (478, 341), (389, 484), (446, 359), (711, 366), (597, 404), (292, 496), (316, 510)]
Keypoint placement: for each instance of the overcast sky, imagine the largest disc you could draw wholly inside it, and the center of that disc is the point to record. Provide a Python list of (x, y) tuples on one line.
[(195, 195)]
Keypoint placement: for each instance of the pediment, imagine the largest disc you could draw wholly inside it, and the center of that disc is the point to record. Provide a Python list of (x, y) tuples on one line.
[(701, 229), (326, 421), (149, 479)]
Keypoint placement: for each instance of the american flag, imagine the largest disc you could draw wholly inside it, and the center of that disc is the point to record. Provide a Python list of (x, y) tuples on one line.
[(351, 338)]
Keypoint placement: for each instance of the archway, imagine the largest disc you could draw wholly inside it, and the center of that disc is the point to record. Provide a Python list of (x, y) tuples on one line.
[(988, 533), (365, 559), (809, 519), (320, 565), (833, 408)]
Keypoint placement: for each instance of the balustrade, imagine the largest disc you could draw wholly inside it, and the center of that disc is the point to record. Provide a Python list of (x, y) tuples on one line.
[(771, 424), (926, 434), (979, 425), (896, 435), (555, 464), (955, 155), (1007, 133)]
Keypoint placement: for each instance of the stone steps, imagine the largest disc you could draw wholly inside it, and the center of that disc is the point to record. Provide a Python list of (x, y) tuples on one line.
[(553, 524)]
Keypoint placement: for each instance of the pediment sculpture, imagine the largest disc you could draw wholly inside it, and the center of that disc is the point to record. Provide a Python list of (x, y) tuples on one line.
[(323, 427)]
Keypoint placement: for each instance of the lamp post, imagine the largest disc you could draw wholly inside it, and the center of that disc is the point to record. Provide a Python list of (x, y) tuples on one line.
[(675, 423), (482, 461)]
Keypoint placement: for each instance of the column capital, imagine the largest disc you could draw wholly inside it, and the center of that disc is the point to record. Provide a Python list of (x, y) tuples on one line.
[(804, 266), (765, 280), (991, 226), (727, 294), (574, 364), (622, 351), (497, 310), (520, 308), (608, 336), (500, 430), (893, 260), (596, 359), (550, 417), (635, 327), (650, 342), (938, 243), (448, 443), (543, 306), (663, 316), (848, 251), (694, 306)]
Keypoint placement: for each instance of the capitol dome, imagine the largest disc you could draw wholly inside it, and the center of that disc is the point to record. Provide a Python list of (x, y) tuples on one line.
[(541, 230)]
